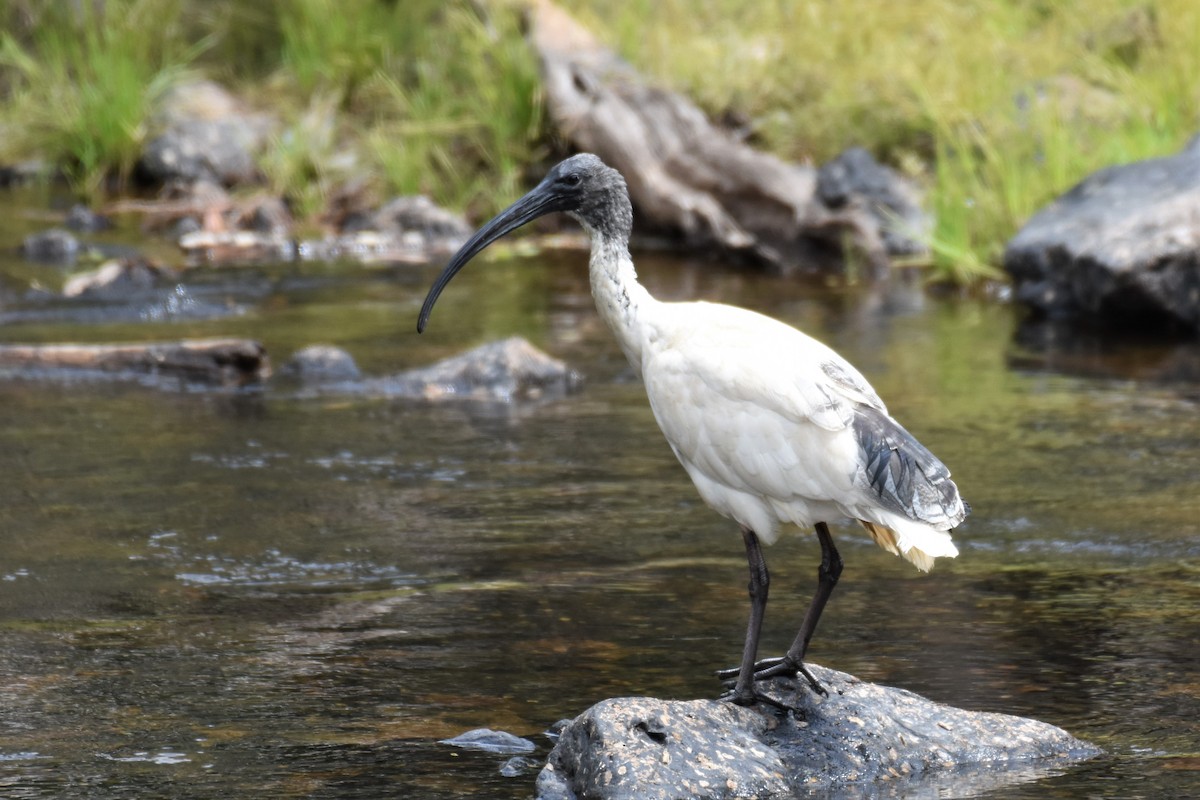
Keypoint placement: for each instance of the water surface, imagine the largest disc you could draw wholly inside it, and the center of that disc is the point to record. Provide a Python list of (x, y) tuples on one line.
[(236, 593)]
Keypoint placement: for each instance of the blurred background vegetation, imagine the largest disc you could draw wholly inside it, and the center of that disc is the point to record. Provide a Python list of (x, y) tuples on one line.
[(993, 106)]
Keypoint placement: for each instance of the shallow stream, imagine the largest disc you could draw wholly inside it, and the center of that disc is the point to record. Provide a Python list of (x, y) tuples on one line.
[(239, 594)]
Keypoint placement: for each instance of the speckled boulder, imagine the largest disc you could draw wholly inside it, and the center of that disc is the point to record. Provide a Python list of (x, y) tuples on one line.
[(646, 748)]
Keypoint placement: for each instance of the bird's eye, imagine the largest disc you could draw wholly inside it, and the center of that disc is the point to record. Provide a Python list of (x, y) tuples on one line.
[(571, 179)]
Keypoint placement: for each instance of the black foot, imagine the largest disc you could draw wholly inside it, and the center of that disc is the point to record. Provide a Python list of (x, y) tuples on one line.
[(754, 698), (759, 666), (775, 668)]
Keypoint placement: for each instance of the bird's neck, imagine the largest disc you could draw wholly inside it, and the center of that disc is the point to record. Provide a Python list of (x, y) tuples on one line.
[(623, 303)]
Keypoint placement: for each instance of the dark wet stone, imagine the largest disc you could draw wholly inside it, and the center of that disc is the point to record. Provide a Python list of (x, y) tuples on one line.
[(271, 216), (25, 171), (81, 218), (491, 741), (54, 246), (1119, 250), (647, 748), (855, 177), (320, 363)]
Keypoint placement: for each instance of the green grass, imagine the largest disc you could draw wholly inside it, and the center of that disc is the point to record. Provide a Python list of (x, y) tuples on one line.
[(465, 121), (996, 107), (80, 88), (993, 106)]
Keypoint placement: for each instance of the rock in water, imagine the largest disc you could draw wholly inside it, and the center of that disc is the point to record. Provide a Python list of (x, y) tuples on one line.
[(321, 363), (503, 371), (56, 246), (646, 748), (491, 741), (1120, 250)]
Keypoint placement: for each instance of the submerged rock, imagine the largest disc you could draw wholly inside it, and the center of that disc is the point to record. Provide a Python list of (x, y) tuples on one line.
[(518, 766), (1119, 250), (321, 363), (491, 741), (507, 370), (503, 371), (647, 748)]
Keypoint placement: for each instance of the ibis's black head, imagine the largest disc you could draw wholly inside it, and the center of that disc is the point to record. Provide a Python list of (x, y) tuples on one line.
[(582, 186)]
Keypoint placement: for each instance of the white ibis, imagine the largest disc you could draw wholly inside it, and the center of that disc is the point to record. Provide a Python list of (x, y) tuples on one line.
[(772, 426)]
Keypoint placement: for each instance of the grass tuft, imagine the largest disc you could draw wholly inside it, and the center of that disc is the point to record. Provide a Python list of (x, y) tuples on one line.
[(80, 89)]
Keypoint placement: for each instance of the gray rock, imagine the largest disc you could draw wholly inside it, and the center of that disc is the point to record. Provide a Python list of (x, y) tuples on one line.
[(861, 734), (506, 371), (54, 246), (321, 363), (491, 741), (1121, 249), (511, 369), (855, 177), (194, 150), (419, 213), (203, 133), (411, 229)]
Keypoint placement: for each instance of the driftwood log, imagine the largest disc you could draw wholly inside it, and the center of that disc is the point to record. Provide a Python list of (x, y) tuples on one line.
[(226, 362), (685, 175)]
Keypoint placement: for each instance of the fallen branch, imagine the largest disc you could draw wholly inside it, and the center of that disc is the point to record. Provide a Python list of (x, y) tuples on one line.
[(214, 361), (684, 174)]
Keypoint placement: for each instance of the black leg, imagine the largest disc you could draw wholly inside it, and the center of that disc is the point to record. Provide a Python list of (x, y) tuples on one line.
[(827, 578), (760, 583)]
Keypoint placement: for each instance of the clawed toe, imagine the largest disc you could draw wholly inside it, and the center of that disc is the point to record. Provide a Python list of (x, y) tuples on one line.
[(759, 667), (752, 698), (772, 668)]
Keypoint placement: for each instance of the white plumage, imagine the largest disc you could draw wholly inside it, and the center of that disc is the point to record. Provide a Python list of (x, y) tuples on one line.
[(772, 426)]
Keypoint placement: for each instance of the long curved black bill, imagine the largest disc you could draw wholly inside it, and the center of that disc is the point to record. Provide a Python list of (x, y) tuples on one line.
[(540, 201)]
